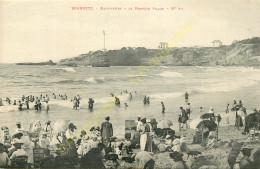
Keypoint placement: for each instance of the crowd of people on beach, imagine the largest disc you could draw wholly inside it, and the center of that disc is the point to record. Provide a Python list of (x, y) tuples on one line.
[(57, 145)]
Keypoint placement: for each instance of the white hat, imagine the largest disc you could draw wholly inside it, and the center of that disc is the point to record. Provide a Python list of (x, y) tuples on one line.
[(168, 136)]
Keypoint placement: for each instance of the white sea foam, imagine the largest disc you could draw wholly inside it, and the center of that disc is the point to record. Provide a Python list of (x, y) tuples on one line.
[(68, 69), (170, 74), (91, 80), (166, 95), (228, 86)]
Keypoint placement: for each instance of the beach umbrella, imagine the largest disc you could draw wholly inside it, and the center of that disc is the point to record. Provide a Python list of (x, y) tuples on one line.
[(17, 135), (143, 157), (207, 124), (61, 125), (164, 124), (207, 115)]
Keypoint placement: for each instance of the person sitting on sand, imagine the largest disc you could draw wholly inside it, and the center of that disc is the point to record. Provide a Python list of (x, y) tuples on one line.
[(19, 151)]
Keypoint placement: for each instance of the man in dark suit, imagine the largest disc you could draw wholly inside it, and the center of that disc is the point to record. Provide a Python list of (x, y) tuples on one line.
[(106, 131)]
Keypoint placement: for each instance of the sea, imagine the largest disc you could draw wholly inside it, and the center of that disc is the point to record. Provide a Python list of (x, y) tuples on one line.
[(207, 86)]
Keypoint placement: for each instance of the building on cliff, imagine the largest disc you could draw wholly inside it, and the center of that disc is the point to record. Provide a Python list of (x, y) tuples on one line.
[(216, 43)]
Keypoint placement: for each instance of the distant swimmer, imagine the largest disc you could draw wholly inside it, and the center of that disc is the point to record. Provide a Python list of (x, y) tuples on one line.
[(163, 107), (126, 105), (112, 94), (14, 102), (186, 97), (90, 103)]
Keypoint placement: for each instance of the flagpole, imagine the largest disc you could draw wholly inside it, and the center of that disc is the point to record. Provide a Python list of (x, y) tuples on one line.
[(104, 40)]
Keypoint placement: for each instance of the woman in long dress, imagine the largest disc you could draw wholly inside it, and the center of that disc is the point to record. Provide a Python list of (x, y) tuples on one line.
[(145, 140)]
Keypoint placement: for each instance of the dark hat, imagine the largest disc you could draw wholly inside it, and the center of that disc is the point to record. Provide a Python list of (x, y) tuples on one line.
[(92, 129), (143, 120), (112, 156), (107, 118), (97, 128)]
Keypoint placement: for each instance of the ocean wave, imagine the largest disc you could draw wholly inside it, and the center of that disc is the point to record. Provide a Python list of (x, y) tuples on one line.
[(165, 67), (95, 80), (228, 86), (166, 95), (170, 74), (68, 69)]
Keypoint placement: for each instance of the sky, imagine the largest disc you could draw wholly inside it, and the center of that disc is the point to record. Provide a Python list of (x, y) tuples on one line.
[(41, 30)]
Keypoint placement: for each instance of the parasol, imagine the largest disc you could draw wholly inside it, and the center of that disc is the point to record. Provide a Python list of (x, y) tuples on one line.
[(163, 124), (207, 124), (17, 135), (207, 115)]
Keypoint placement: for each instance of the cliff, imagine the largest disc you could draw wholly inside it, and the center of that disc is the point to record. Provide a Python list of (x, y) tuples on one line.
[(242, 53)]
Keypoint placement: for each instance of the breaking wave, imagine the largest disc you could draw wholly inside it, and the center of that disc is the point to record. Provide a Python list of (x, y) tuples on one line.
[(170, 74)]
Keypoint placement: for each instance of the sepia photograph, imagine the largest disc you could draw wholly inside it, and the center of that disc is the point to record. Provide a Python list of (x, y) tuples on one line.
[(127, 84)]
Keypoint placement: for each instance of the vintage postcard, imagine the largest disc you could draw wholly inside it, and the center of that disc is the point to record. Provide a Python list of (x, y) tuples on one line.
[(130, 84)]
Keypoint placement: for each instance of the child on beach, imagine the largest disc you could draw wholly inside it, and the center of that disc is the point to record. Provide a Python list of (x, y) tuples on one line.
[(227, 113)]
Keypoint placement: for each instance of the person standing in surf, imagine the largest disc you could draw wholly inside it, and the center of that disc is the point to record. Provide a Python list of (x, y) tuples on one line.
[(186, 97), (227, 113), (163, 108), (188, 109)]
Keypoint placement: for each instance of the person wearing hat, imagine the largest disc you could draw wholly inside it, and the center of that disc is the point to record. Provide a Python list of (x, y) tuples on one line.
[(19, 127), (19, 151), (106, 131), (4, 159), (48, 129)]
